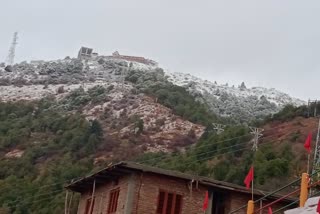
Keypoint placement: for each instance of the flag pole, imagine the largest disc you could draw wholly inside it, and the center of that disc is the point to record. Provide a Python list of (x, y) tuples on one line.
[(308, 167), (252, 190), (252, 183)]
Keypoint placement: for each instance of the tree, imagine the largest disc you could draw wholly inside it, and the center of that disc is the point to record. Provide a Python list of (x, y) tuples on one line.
[(139, 126), (96, 128), (242, 86)]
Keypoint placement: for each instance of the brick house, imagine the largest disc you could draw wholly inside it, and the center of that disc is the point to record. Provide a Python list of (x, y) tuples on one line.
[(130, 188)]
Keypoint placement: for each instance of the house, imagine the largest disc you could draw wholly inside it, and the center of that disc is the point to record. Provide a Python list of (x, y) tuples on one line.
[(85, 53), (131, 188), (117, 55)]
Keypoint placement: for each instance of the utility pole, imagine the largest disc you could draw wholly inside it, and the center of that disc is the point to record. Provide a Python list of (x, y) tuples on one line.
[(312, 103), (12, 50), (316, 158), (257, 133), (219, 128)]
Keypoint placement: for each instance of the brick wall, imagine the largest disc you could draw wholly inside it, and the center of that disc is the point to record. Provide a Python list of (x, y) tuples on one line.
[(145, 191), (149, 191), (102, 197)]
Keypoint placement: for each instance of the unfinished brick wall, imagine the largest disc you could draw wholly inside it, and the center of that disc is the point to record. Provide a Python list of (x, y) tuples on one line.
[(192, 201), (144, 195), (102, 197)]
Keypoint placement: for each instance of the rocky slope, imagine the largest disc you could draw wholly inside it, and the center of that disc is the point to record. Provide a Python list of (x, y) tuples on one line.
[(97, 89)]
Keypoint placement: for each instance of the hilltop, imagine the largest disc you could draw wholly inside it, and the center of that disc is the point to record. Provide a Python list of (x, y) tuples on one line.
[(40, 78)]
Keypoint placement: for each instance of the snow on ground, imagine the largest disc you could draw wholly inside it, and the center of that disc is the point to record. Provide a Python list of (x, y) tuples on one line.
[(205, 86), (309, 208), (35, 92)]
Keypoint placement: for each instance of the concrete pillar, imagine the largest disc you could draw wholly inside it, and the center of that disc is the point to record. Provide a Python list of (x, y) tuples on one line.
[(304, 189), (250, 208), (130, 195)]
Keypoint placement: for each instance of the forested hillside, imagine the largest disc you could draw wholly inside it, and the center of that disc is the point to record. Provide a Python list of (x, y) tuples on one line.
[(228, 156), (62, 120), (46, 143), (40, 150)]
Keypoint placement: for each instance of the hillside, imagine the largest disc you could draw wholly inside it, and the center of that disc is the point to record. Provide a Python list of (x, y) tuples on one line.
[(63, 119), (238, 103), (280, 159)]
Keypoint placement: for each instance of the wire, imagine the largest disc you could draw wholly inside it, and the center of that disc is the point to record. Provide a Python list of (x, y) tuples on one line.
[(190, 162), (60, 191), (168, 156), (49, 193), (203, 146), (295, 202), (43, 199), (219, 142)]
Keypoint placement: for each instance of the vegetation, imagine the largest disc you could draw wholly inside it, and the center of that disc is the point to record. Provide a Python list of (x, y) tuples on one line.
[(56, 148), (79, 97), (228, 157), (182, 103), (172, 96)]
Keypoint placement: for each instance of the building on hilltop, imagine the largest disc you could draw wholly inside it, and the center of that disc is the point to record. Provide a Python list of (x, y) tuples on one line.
[(138, 59), (85, 53), (130, 188)]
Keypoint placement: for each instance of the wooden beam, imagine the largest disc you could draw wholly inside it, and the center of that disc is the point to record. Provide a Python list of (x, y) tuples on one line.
[(70, 203), (92, 196), (66, 203)]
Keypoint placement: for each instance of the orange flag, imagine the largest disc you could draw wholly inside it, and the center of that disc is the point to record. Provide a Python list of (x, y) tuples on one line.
[(307, 144), (249, 178), (205, 202)]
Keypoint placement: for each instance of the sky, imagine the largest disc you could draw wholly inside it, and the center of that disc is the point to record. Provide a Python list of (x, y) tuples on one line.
[(269, 43)]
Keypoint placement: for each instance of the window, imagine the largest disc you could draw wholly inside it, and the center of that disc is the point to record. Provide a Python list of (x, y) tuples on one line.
[(88, 204), (169, 203), (113, 200)]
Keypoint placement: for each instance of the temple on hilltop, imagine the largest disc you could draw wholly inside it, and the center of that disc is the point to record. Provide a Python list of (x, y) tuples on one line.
[(138, 59), (87, 53)]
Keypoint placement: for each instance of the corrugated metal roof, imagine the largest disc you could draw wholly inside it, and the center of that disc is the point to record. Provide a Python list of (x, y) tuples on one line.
[(125, 168)]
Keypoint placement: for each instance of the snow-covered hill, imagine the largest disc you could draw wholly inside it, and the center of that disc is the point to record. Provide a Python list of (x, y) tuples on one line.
[(239, 101), (38, 79), (204, 86)]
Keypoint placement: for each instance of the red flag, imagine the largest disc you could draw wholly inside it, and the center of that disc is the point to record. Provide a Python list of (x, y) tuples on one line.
[(205, 202), (307, 144), (249, 178), (318, 207), (269, 210)]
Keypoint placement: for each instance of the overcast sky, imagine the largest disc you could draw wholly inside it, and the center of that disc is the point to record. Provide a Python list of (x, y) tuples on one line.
[(272, 43)]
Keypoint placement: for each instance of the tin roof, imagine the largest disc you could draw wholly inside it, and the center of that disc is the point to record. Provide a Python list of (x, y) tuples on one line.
[(125, 168)]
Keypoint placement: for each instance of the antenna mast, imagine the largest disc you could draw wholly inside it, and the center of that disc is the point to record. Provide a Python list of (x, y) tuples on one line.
[(316, 157), (12, 50)]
